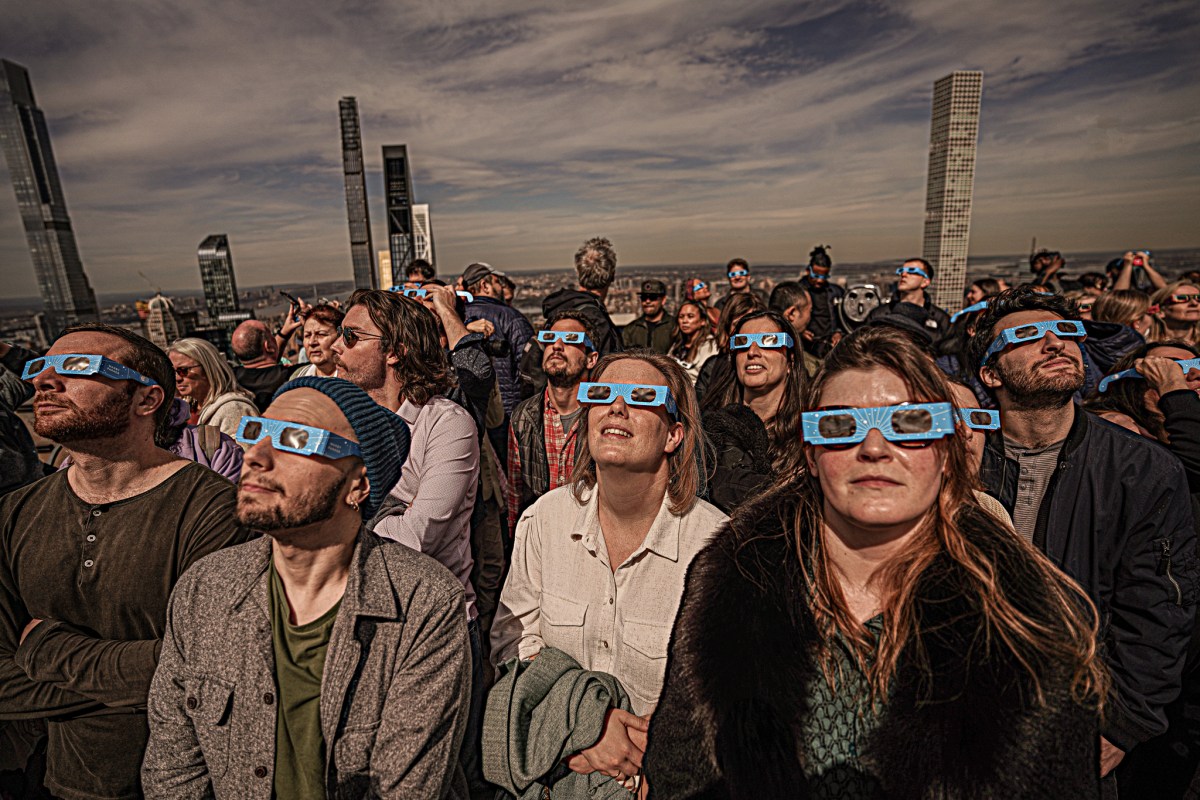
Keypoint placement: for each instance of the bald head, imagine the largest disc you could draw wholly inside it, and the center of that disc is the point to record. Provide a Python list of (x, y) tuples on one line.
[(252, 340)]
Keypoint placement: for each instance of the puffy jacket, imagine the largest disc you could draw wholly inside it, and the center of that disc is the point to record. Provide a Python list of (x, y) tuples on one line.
[(741, 464), (512, 327), (1117, 518)]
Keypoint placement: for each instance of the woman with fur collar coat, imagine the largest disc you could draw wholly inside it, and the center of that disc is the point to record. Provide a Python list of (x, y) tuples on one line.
[(867, 631)]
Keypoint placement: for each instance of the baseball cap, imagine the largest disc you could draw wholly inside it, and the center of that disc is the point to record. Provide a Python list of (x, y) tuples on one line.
[(653, 287), (477, 272)]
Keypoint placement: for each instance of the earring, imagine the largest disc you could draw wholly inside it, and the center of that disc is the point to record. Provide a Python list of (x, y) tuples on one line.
[(354, 505)]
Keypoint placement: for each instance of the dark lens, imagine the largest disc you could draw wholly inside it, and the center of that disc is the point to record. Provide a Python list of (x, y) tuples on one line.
[(912, 420), (643, 394), (599, 392), (349, 337), (36, 365), (573, 338), (293, 437), (980, 418), (545, 336), (76, 363), (836, 426), (252, 430), (1025, 332)]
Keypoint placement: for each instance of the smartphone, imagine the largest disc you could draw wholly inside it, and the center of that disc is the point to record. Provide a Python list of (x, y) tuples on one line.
[(294, 301)]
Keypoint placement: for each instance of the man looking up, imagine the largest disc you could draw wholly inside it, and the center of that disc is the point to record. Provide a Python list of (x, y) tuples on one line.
[(915, 275), (738, 273), (541, 440), (1109, 508), (89, 555), (417, 273), (653, 329), (258, 351), (363, 684), (510, 325)]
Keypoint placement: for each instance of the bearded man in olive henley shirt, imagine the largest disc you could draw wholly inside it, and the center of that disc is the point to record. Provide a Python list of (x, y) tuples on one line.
[(89, 555)]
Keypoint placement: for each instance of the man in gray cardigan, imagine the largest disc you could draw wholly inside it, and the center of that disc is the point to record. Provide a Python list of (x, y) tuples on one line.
[(320, 661)]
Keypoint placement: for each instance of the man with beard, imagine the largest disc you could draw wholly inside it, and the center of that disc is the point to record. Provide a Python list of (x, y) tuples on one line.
[(541, 440), (89, 555), (1109, 508), (319, 661)]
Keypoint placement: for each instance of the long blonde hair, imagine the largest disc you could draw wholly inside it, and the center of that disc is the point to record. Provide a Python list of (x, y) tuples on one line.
[(1158, 328), (216, 368), (1030, 608)]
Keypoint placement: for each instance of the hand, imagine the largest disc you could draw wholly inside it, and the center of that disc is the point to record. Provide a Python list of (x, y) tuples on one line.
[(33, 623), (638, 736), (1110, 756), (294, 320), (614, 754), (481, 326), (442, 299), (1163, 374)]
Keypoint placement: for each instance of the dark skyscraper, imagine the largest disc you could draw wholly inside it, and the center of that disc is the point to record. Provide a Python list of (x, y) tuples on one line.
[(397, 184), (64, 287), (216, 274), (361, 251)]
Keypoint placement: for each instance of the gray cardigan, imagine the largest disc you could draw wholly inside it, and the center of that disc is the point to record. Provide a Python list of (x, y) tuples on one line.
[(394, 693)]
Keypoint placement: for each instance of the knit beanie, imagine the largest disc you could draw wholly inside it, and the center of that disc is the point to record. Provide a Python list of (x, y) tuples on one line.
[(382, 436)]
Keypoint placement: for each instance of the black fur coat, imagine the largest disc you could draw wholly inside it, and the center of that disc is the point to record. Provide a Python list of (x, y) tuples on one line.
[(728, 719)]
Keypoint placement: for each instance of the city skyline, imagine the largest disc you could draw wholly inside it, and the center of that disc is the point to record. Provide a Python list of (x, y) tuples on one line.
[(685, 132)]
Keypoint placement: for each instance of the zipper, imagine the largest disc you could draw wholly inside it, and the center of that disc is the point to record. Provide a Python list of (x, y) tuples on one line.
[(1164, 568)]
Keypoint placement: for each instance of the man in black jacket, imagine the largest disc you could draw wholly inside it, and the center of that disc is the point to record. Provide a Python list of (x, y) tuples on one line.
[(1108, 507), (484, 284), (915, 276), (595, 268)]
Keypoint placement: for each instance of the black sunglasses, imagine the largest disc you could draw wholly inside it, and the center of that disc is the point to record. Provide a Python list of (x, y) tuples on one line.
[(352, 337)]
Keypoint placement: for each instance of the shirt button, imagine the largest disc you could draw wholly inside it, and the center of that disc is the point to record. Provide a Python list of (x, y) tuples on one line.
[(91, 537), (604, 645), (268, 698), (610, 601), (260, 772), (88, 563), (96, 513), (191, 703)]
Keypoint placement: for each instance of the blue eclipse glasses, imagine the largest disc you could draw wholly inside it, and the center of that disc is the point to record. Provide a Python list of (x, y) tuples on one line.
[(75, 364), (566, 337), (981, 419), (1185, 364), (699, 285), (910, 425), (466, 296), (913, 271), (292, 437), (820, 276), (632, 393), (742, 341), (737, 273), (1024, 334), (980, 306)]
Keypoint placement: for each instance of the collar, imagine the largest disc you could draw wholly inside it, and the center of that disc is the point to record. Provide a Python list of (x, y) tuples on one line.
[(486, 300), (1075, 436), (409, 411), (662, 538)]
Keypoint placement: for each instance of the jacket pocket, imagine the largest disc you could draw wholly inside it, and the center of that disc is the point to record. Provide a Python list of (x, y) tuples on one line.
[(352, 751), (644, 665), (209, 703), (562, 624)]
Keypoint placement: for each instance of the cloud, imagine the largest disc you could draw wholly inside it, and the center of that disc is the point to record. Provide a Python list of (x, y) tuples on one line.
[(684, 130)]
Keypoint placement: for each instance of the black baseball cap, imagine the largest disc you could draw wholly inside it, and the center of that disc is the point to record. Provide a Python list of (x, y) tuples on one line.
[(477, 272), (652, 287)]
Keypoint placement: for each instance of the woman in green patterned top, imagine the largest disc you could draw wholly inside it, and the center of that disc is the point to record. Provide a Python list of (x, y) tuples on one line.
[(868, 630)]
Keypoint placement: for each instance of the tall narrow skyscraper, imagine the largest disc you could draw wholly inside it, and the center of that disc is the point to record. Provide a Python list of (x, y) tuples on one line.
[(953, 139), (216, 275), (25, 139), (423, 233), (361, 251), (397, 185)]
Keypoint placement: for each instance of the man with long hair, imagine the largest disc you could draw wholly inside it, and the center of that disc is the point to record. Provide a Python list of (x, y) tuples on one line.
[(1108, 508)]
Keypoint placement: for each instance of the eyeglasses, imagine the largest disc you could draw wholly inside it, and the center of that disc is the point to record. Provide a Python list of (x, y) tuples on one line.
[(351, 336), (646, 297), (292, 437), (971, 309), (466, 296), (632, 393), (1185, 364), (913, 271), (821, 276), (1024, 334), (76, 364), (742, 341), (981, 419), (911, 425), (184, 372), (737, 273), (1181, 299), (566, 337)]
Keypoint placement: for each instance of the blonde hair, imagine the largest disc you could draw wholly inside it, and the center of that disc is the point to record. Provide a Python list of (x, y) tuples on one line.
[(216, 368), (1123, 306), (1158, 328)]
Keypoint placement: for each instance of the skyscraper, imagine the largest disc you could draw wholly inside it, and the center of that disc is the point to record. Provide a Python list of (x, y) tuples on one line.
[(361, 251), (386, 279), (953, 137), (216, 275), (25, 139), (422, 233), (397, 185)]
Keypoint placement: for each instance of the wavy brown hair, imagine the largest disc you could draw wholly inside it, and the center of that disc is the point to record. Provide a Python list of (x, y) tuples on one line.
[(410, 332), (1030, 609), (687, 465)]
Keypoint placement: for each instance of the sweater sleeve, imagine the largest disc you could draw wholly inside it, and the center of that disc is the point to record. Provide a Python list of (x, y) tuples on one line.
[(1182, 411)]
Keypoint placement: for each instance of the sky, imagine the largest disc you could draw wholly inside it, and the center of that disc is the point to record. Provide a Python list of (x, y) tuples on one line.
[(686, 131)]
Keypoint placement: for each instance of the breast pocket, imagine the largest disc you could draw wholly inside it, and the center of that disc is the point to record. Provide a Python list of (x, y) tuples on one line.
[(209, 704), (562, 624), (644, 662)]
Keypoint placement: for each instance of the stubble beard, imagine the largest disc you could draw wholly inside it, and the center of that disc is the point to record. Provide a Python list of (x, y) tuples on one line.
[(1029, 392), (309, 508), (104, 422)]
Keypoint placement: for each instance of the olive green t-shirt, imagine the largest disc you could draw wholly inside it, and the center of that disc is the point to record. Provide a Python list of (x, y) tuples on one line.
[(299, 662)]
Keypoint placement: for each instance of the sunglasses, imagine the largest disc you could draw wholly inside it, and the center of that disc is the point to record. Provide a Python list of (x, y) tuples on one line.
[(737, 273), (566, 337), (1181, 299), (466, 296), (644, 297), (914, 425), (631, 393), (1024, 334), (971, 309), (184, 372), (293, 437), (742, 341), (913, 271), (352, 336), (1185, 364), (1086, 306), (75, 364)]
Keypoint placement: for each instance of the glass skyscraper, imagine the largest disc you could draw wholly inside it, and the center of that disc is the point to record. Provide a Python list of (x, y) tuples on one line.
[(953, 137), (397, 185), (25, 139), (361, 251), (216, 275)]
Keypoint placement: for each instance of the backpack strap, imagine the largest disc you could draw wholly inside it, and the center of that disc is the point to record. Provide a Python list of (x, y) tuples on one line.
[(209, 437)]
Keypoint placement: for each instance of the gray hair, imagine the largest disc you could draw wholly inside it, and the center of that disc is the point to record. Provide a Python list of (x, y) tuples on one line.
[(596, 263), (216, 368)]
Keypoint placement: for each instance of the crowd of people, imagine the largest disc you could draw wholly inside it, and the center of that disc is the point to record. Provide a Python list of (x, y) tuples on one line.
[(409, 545)]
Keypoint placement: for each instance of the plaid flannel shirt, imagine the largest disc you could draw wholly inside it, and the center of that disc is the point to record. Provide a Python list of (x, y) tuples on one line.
[(560, 457)]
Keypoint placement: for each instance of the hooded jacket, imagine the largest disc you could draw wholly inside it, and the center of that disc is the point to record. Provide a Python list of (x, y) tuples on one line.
[(226, 411), (591, 307)]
